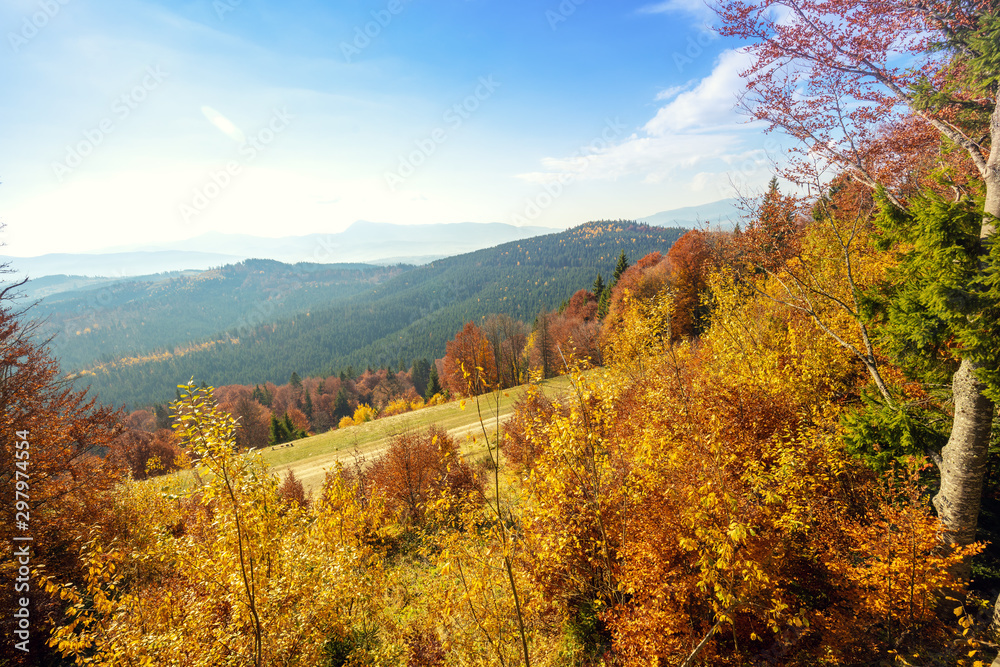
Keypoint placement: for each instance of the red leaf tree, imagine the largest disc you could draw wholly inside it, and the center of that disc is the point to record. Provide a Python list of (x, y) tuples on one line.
[(469, 366)]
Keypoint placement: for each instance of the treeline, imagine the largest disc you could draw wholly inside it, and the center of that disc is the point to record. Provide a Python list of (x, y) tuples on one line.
[(268, 414)]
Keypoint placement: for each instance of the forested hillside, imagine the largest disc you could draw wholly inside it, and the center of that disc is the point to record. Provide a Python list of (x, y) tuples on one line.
[(410, 316), (138, 317)]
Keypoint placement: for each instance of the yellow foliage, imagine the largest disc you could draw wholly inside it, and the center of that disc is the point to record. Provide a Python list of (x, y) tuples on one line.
[(364, 413), (397, 407), (757, 342), (705, 494), (227, 574), (642, 337)]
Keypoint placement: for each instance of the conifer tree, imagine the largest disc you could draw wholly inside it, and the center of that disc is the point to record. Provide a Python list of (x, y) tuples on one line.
[(341, 408), (278, 432), (598, 287), (620, 268), (420, 375), (308, 407), (433, 383)]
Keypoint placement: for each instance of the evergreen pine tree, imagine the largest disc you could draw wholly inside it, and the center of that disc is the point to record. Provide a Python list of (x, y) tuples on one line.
[(433, 383), (308, 407), (278, 434), (604, 301), (619, 269), (420, 375), (598, 287), (341, 408), (162, 416)]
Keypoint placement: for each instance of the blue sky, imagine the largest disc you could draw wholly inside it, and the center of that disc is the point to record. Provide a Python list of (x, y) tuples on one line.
[(132, 121)]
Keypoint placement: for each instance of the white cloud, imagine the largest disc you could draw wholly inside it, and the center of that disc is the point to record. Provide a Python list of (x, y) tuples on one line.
[(697, 130), (699, 8), (672, 92), (709, 104)]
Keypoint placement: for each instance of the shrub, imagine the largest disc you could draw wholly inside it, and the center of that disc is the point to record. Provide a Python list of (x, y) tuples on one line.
[(419, 468)]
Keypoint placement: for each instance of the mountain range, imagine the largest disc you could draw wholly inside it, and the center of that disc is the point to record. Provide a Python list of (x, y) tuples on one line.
[(260, 320), (722, 214), (367, 242)]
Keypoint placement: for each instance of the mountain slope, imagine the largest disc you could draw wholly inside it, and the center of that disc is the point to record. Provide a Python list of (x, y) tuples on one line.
[(409, 316), (137, 317)]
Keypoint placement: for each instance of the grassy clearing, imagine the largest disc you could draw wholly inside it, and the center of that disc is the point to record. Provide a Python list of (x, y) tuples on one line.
[(311, 457)]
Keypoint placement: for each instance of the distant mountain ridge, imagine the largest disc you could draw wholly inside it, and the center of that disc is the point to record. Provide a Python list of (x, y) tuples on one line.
[(363, 241), (116, 265), (723, 214)]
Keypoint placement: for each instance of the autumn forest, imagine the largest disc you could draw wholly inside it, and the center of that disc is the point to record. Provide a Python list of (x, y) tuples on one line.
[(772, 444)]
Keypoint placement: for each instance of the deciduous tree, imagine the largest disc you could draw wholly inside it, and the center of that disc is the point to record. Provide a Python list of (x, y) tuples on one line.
[(469, 366), (831, 74), (57, 485)]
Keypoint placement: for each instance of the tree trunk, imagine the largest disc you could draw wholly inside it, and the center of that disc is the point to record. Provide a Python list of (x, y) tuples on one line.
[(963, 461), (992, 211)]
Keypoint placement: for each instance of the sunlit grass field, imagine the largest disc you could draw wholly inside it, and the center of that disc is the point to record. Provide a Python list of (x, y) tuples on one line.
[(467, 421)]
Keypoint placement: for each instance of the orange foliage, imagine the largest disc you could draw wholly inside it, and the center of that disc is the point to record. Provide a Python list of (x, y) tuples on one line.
[(646, 279), (147, 454), (469, 368), (689, 259), (699, 502), (419, 468), (774, 233), (572, 336), (50, 472), (531, 411), (582, 306), (299, 419)]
